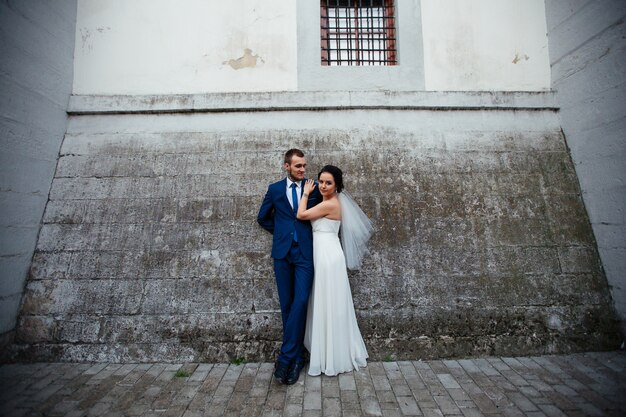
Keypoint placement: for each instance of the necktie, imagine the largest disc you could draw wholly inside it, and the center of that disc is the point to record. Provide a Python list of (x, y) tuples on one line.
[(294, 200)]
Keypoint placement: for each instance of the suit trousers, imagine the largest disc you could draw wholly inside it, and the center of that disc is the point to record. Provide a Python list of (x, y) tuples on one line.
[(294, 280)]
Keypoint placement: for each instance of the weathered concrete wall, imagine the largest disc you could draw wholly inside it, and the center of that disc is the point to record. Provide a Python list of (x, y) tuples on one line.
[(587, 53), (150, 249), (36, 49)]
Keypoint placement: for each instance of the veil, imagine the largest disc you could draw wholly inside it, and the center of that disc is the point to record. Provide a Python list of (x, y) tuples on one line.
[(356, 230)]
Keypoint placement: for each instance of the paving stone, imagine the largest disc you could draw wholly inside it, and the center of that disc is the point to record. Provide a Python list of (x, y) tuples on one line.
[(565, 390), (432, 412), (331, 406), (370, 406), (376, 368), (471, 412), (330, 387), (313, 400), (114, 414), (465, 404), (193, 413), (215, 410), (389, 406), (415, 382), (469, 365), (295, 393), (485, 366), (125, 369), (364, 384), (561, 401), (428, 404), (237, 402), (438, 366), (446, 404), (352, 413), (484, 403), (350, 400), (99, 409), (46, 392), (313, 383), (137, 408), (251, 410), (423, 395), (392, 412), (346, 382), (470, 387), (201, 372), (393, 372), (292, 410), (407, 368), (522, 402), (498, 396), (400, 388), (76, 413), (381, 383), (420, 364), (448, 381), (512, 411), (258, 391), (64, 407), (458, 395), (539, 384), (430, 379), (409, 406), (94, 369), (386, 396), (575, 384), (552, 411)]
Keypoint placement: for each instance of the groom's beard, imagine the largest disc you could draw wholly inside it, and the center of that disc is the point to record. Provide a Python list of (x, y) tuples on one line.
[(292, 178)]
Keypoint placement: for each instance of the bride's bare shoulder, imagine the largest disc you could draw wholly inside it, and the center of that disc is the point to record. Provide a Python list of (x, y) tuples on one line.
[(334, 209)]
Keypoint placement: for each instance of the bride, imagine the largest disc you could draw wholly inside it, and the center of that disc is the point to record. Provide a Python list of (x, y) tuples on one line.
[(332, 334)]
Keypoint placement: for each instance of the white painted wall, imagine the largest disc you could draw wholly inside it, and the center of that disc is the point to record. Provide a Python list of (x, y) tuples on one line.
[(588, 53), (184, 46), (485, 45), (192, 46), (36, 46)]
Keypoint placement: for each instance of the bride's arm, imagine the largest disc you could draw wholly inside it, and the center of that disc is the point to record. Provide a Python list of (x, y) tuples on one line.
[(321, 210)]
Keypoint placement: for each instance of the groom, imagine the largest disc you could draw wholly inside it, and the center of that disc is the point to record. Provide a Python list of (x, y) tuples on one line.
[(292, 250)]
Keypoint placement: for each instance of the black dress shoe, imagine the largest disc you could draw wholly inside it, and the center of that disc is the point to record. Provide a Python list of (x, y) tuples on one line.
[(294, 373), (281, 371)]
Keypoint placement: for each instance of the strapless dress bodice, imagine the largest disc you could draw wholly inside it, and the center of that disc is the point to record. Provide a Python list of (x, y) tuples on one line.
[(325, 225)]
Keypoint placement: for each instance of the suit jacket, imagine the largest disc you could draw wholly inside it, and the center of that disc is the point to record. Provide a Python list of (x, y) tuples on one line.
[(277, 217)]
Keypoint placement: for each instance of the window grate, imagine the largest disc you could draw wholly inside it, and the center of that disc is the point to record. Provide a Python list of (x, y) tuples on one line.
[(358, 32)]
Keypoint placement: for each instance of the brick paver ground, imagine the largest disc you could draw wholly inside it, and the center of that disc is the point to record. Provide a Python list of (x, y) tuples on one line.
[(586, 384)]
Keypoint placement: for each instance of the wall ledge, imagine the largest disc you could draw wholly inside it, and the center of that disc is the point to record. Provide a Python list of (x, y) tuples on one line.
[(312, 101)]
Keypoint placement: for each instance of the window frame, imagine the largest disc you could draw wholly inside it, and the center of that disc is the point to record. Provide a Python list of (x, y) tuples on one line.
[(355, 35)]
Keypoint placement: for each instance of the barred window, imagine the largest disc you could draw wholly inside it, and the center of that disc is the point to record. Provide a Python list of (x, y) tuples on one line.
[(358, 32)]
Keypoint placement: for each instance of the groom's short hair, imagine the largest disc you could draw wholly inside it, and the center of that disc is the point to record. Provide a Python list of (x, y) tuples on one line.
[(291, 152)]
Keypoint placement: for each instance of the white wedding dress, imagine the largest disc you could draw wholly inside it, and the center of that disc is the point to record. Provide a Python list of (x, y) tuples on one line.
[(332, 334)]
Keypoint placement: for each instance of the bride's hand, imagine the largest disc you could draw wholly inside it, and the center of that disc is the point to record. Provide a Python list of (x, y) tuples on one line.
[(309, 186)]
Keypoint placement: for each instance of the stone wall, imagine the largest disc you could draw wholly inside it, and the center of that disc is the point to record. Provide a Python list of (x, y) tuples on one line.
[(36, 50), (150, 248), (587, 55)]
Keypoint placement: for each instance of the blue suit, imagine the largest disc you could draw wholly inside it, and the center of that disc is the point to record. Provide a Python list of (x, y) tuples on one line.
[(293, 264)]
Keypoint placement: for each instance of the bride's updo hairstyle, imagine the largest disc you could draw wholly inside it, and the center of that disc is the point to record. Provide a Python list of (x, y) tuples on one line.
[(336, 173)]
